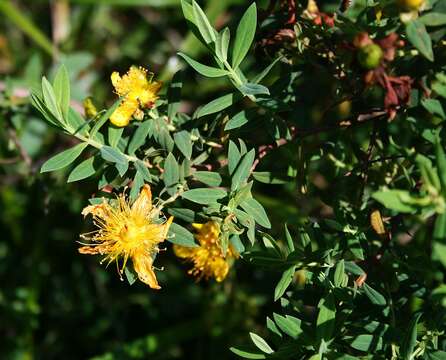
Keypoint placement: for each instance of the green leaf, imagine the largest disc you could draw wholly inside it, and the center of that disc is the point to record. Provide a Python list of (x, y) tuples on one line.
[(367, 343), (140, 136), (256, 210), (171, 173), (82, 171), (130, 275), (204, 196), (111, 154), (234, 157), (61, 86), (243, 170), (181, 236), (418, 36), (174, 94), (246, 354), (374, 296), (261, 343), (441, 164), (222, 44), (184, 143), (410, 339), (143, 170), (434, 107), (101, 121), (394, 200), (208, 177), (49, 97), (217, 105), (187, 215), (289, 239), (244, 35), (204, 70), (266, 71), (114, 135), (238, 120), (325, 323), (433, 19), (253, 89), (63, 159), (435, 355), (290, 325), (202, 23), (284, 282), (137, 184), (339, 274)]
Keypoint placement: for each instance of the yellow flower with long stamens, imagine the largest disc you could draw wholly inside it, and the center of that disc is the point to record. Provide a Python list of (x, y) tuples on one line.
[(139, 92), (128, 231), (208, 259)]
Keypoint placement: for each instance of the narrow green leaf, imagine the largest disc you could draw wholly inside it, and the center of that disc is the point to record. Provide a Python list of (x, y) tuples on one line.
[(339, 274), (290, 325), (137, 184), (433, 19), (142, 168), (253, 89), (418, 36), (204, 70), (181, 236), (410, 339), (187, 215), (140, 136), (202, 22), (266, 71), (234, 157), (63, 159), (49, 97), (208, 177), (374, 296), (256, 210), (441, 164), (174, 94), (222, 44), (244, 35), (284, 282), (61, 86), (114, 135), (184, 143), (247, 355), (289, 239), (325, 323), (84, 170), (101, 121), (238, 120), (204, 196), (394, 200), (217, 105), (243, 170), (434, 107), (171, 173), (113, 155), (367, 343), (261, 343)]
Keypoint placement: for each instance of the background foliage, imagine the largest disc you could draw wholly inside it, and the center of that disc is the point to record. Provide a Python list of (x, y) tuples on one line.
[(346, 150)]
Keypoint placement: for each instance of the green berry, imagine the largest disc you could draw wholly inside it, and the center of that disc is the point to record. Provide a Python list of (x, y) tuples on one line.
[(370, 56)]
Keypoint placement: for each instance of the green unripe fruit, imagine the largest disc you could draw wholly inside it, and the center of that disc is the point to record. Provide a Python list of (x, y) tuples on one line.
[(370, 56)]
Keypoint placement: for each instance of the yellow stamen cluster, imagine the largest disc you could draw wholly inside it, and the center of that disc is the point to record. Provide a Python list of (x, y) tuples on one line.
[(139, 92), (208, 259), (128, 231)]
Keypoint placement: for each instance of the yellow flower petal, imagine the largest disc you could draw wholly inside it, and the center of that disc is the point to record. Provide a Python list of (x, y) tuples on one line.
[(122, 115), (208, 259), (127, 231)]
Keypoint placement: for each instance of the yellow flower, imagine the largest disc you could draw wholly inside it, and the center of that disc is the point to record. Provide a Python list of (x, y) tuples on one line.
[(208, 259), (89, 108), (138, 90), (127, 231)]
